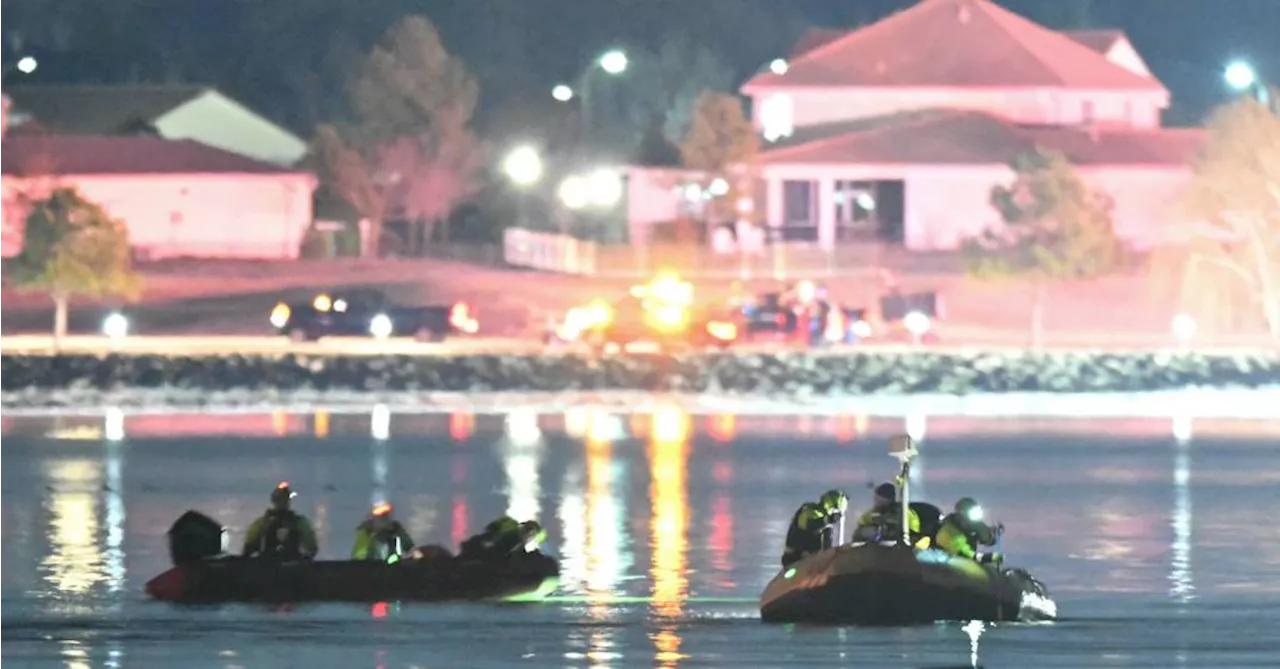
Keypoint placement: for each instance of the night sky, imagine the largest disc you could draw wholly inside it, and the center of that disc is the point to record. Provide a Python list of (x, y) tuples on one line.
[(287, 58)]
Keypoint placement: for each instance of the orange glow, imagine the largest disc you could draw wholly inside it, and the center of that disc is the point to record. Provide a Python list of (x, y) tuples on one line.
[(670, 423), (279, 422), (667, 317), (669, 459), (722, 427), (322, 302), (282, 485), (382, 509), (322, 423), (849, 428), (722, 330), (603, 540), (461, 425), (460, 317), (379, 610), (639, 424)]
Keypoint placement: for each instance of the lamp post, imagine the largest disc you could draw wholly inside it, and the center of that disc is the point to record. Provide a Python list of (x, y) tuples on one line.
[(1241, 77), (523, 166), (612, 62), (25, 65)]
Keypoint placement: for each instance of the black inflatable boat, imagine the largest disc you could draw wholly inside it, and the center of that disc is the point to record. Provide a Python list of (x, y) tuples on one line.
[(203, 574), (894, 584)]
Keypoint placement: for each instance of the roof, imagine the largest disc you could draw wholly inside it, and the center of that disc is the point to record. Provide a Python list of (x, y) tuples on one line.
[(1098, 40), (949, 137), (99, 110), (955, 43), (94, 155), (814, 38)]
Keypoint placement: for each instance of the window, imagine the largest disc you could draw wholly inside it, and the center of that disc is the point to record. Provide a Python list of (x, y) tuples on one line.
[(777, 117)]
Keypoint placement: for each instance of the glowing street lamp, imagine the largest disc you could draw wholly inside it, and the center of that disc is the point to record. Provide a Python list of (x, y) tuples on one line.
[(614, 62), (562, 93), (601, 189), (778, 66), (523, 166), (27, 64), (1241, 77), (1184, 328), (573, 192)]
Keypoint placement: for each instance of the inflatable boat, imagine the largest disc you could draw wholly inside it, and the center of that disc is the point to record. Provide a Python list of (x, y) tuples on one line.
[(894, 582), (204, 574)]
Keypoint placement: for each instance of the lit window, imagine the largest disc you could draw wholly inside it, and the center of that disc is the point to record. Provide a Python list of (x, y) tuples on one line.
[(776, 117)]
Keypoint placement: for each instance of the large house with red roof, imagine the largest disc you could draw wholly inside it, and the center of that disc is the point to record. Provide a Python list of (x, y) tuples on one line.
[(897, 131), (178, 197)]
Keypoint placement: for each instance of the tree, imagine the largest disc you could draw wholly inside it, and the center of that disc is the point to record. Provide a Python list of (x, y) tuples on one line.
[(1056, 228), (409, 150), (1233, 209), (721, 144), (72, 247)]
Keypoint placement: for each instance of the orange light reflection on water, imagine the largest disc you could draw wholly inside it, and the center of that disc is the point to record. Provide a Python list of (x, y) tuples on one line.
[(722, 427), (462, 425), (669, 457)]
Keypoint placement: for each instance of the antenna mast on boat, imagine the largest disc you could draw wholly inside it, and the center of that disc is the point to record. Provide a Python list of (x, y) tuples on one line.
[(903, 448)]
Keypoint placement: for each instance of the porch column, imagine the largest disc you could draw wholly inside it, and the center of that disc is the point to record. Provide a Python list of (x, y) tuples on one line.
[(774, 205), (826, 218)]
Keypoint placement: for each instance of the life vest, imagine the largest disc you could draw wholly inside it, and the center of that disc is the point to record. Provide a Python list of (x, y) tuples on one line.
[(280, 537)]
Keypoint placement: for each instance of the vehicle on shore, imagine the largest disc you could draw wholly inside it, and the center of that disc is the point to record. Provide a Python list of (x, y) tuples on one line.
[(369, 313)]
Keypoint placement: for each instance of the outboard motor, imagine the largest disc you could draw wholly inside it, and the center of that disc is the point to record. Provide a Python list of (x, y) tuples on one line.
[(196, 537)]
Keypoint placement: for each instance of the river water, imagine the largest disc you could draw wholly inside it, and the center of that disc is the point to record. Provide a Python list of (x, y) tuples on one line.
[(1158, 539)]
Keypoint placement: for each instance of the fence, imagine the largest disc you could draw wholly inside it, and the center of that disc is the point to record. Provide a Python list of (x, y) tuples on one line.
[(549, 252)]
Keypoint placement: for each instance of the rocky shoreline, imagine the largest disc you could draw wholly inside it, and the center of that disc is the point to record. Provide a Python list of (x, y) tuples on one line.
[(83, 380)]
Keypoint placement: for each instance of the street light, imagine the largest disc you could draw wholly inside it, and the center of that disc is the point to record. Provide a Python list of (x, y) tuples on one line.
[(614, 62), (573, 192), (1242, 78), (778, 66), (523, 166), (562, 93), (600, 189), (25, 65)]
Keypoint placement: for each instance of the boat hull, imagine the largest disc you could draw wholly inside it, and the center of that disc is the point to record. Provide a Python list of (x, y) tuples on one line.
[(871, 584), (527, 576)]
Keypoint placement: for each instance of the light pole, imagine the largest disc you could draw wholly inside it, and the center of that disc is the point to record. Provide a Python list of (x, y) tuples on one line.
[(1241, 77), (523, 166), (613, 62), (25, 65)]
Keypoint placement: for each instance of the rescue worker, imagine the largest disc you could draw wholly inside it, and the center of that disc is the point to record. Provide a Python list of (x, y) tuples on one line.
[(884, 521), (813, 526), (964, 530), (280, 533), (503, 537), (381, 537)]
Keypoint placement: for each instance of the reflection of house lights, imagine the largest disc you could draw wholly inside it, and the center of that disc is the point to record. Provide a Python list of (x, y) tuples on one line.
[(73, 563), (974, 629), (1181, 585), (670, 424), (722, 427), (458, 520), (114, 557), (721, 538), (522, 427), (576, 421), (322, 423), (915, 425), (573, 519), (523, 486), (279, 422), (604, 427), (113, 424), (380, 422), (604, 525), (461, 425), (669, 459)]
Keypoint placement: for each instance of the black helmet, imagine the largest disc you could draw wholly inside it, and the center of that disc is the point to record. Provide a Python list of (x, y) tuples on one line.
[(281, 496), (887, 492)]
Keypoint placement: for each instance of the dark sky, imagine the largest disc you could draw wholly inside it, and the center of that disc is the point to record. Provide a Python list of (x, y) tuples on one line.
[(285, 56)]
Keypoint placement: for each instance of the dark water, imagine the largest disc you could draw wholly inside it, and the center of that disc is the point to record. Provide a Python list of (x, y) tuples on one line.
[(1162, 550)]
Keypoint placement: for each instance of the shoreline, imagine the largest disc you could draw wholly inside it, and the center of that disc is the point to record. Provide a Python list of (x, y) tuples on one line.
[(1245, 404)]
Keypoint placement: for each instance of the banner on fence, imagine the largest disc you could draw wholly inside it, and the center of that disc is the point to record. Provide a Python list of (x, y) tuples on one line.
[(548, 252)]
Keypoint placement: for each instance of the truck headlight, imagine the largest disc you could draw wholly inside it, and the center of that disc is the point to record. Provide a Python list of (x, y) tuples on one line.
[(280, 315), (380, 326)]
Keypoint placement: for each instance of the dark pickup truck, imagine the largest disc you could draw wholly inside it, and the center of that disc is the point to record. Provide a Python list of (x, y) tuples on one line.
[(368, 313)]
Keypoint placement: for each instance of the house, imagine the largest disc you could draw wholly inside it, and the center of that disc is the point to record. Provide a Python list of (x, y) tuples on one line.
[(896, 132), (179, 198), (172, 112)]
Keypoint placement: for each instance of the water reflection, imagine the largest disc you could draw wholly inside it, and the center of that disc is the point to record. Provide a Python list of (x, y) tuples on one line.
[(521, 458), (462, 424), (114, 553), (720, 533), (74, 563), (1182, 588), (604, 524), (669, 457)]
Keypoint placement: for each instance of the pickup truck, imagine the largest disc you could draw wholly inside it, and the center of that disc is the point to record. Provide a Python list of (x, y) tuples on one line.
[(368, 313)]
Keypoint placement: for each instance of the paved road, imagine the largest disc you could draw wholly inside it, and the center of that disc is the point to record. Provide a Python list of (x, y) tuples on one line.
[(259, 345)]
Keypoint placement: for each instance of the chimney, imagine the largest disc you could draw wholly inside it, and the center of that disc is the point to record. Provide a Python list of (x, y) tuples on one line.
[(4, 117)]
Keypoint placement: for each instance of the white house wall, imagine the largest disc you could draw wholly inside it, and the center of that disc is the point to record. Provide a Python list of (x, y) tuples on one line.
[(206, 216), (215, 120), (1044, 106)]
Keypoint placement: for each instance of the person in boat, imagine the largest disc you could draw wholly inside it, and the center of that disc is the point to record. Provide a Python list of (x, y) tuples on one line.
[(280, 533), (813, 526), (884, 521), (503, 537), (381, 537), (963, 530)]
